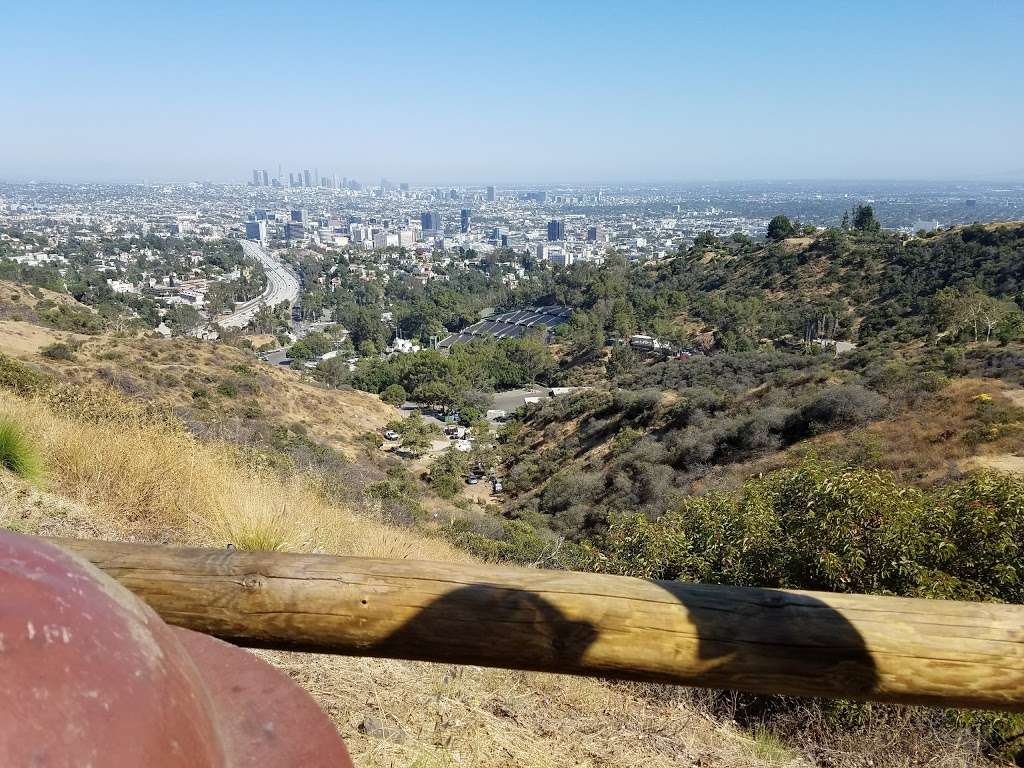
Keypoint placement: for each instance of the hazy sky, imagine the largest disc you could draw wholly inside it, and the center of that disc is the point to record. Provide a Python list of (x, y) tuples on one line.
[(513, 91)]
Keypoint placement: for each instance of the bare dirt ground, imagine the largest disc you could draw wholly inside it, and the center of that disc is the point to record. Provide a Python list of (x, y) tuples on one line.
[(19, 338)]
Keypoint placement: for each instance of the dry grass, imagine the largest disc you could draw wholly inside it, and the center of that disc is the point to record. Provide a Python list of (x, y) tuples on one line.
[(170, 371), (23, 339), (158, 482)]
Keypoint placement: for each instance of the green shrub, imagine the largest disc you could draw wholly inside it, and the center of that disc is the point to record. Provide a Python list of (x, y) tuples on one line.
[(17, 453), (58, 351), (20, 378), (827, 527)]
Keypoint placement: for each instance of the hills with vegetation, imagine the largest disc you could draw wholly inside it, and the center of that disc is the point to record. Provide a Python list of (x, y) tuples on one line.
[(765, 455), (84, 459)]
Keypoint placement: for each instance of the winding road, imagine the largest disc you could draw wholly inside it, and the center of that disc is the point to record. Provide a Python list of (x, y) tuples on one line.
[(282, 285)]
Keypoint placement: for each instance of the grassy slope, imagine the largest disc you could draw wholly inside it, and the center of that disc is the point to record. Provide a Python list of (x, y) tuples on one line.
[(221, 386)]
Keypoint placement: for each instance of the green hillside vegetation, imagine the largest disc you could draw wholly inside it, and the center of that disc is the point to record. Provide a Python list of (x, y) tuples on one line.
[(763, 459)]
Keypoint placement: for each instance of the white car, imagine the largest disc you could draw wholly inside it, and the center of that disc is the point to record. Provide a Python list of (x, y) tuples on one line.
[(391, 435)]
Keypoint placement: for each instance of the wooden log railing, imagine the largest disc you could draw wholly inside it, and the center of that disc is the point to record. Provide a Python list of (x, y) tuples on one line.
[(933, 652)]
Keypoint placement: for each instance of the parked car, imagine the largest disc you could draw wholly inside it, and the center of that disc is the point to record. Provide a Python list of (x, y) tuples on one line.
[(391, 435), (472, 480), (498, 486)]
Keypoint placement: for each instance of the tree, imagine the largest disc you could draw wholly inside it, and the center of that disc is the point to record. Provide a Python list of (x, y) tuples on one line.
[(183, 318), (780, 227), (957, 310), (621, 361), (705, 239), (300, 351), (416, 433), (864, 219), (395, 395), (437, 394), (447, 471), (584, 332)]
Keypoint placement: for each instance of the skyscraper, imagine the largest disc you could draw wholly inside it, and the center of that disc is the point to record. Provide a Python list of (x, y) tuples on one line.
[(255, 177), (430, 221), (307, 178), (256, 230), (490, 194), (266, 178), (556, 230), (291, 179), (464, 220)]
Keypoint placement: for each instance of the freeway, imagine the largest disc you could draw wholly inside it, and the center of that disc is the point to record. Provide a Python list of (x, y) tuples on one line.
[(282, 285)]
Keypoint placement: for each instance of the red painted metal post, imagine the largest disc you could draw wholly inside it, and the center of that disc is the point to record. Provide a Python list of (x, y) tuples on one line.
[(90, 675)]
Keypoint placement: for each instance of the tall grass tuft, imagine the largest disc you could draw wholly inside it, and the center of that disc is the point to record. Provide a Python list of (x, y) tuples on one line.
[(17, 452)]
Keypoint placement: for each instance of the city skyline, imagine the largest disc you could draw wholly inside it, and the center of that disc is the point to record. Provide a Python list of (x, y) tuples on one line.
[(654, 92)]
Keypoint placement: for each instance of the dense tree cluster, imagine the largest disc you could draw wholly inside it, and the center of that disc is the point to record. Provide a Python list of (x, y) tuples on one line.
[(461, 380)]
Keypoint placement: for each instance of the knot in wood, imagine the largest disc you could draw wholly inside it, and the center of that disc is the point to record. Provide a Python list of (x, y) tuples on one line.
[(252, 582)]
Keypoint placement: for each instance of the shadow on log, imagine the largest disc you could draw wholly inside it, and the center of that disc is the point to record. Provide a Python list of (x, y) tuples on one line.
[(769, 641)]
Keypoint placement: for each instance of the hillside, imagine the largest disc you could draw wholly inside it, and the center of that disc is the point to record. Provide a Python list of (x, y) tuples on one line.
[(878, 285), (114, 469)]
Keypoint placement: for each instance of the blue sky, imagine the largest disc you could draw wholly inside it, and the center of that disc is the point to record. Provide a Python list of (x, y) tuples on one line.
[(514, 92)]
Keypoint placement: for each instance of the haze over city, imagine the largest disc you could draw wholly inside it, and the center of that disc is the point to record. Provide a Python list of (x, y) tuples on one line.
[(532, 92)]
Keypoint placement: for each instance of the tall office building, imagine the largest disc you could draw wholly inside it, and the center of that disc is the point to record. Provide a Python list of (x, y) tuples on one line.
[(464, 220), (291, 179), (256, 230), (403, 186), (307, 178), (430, 221), (299, 215), (556, 230), (255, 177), (490, 194), (593, 234)]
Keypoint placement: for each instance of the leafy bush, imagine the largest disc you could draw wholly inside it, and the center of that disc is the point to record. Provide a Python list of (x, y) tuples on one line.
[(835, 407), (827, 527), (17, 453), (58, 351), (20, 378)]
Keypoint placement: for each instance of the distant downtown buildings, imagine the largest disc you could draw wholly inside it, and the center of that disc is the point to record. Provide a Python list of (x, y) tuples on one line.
[(312, 178)]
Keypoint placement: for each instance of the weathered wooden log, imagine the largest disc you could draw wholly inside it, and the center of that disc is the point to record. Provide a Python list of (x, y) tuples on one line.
[(933, 652)]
